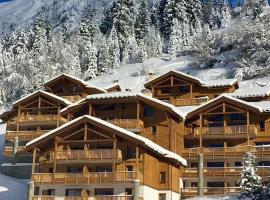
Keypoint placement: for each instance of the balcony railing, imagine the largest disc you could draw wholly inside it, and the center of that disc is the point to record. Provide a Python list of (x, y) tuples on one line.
[(89, 178), (127, 123), (193, 191), (73, 99), (189, 102), (24, 135), (41, 118), (8, 151), (225, 152), (98, 197), (83, 155), (222, 172), (238, 130)]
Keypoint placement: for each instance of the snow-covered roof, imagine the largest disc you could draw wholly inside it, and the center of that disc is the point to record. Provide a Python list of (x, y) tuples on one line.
[(146, 142), (252, 105), (255, 91), (112, 86), (209, 83), (82, 82), (186, 109), (263, 105), (62, 100), (126, 94)]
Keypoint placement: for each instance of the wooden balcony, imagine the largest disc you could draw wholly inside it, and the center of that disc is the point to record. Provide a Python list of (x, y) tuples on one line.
[(132, 124), (189, 102), (89, 178), (239, 131), (72, 99), (83, 155), (24, 135), (8, 151), (222, 172), (49, 118), (99, 197), (192, 191), (225, 152)]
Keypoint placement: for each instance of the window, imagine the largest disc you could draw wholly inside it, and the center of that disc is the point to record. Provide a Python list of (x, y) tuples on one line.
[(48, 192), (261, 143), (237, 117), (165, 90), (162, 196), (162, 177), (184, 88), (215, 184), (264, 163), (103, 191), (129, 191), (148, 111), (131, 152), (237, 164), (123, 106), (194, 184), (104, 169), (262, 125), (216, 145), (215, 164), (73, 192), (74, 170), (193, 165), (154, 130)]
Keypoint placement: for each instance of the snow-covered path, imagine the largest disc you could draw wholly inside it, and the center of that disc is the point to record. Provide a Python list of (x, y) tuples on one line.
[(12, 189)]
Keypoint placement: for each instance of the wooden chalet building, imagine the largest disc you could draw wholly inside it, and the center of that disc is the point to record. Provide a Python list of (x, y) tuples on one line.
[(181, 89), (139, 113), (72, 88), (91, 159), (223, 130), (29, 118)]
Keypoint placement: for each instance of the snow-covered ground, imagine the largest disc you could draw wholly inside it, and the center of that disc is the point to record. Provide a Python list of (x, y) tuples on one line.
[(12, 189), (217, 197), (129, 76)]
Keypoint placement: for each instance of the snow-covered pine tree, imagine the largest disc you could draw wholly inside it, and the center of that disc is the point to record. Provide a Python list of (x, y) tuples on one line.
[(142, 28), (224, 13), (89, 60), (250, 182), (103, 58), (114, 51), (195, 15), (39, 35), (173, 41)]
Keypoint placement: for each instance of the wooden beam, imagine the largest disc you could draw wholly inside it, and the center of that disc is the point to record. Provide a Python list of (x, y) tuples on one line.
[(114, 153), (137, 162), (191, 91), (248, 139), (83, 141), (138, 110), (33, 163), (85, 132), (54, 160), (201, 130), (90, 110)]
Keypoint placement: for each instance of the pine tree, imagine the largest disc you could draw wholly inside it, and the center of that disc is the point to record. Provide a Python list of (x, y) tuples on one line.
[(173, 42), (114, 51), (225, 13), (250, 182), (194, 10), (103, 58), (39, 35), (142, 28)]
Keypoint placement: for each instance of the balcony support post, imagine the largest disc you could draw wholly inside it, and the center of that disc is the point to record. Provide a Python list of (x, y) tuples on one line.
[(201, 130), (136, 189), (114, 154), (33, 163), (15, 149), (200, 175), (191, 92), (248, 139), (30, 192), (54, 160), (137, 162)]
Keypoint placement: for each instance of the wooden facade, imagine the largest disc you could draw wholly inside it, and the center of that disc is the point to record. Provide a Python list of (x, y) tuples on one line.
[(71, 88), (138, 113), (30, 118), (182, 89), (98, 159), (223, 130)]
